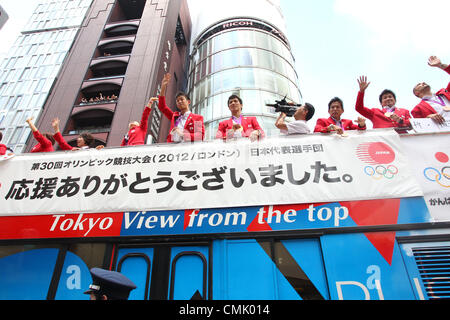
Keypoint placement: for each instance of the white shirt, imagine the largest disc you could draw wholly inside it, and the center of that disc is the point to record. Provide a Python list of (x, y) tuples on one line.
[(436, 103), (296, 127), (181, 123), (237, 133)]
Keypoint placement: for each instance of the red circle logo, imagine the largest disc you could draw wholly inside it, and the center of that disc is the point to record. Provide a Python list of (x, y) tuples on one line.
[(375, 153), (441, 157)]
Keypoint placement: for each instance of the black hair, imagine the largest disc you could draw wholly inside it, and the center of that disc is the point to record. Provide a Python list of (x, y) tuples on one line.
[(181, 93), (1, 136), (311, 111), (387, 91), (335, 99), (88, 139), (234, 97)]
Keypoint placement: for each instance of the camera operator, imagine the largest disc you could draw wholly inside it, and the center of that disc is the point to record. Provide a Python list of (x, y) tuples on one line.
[(299, 126)]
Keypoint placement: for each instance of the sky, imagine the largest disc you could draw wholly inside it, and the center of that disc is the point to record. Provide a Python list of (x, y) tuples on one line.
[(389, 41), (19, 11), (336, 41)]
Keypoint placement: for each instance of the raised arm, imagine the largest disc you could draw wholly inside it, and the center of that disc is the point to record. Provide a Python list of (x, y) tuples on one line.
[(162, 106), (280, 124), (37, 135), (30, 123), (435, 62), (359, 107), (58, 136), (164, 84), (148, 108)]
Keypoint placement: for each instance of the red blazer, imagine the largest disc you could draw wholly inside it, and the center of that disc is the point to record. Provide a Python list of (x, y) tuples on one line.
[(249, 124), (44, 145), (194, 127), (424, 109), (322, 125), (62, 143), (2, 149), (136, 135), (376, 115)]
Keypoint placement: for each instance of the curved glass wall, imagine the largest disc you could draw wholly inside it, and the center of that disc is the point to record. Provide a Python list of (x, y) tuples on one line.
[(254, 64)]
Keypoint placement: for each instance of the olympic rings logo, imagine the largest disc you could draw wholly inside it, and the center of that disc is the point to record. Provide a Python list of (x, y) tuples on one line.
[(434, 175), (380, 171)]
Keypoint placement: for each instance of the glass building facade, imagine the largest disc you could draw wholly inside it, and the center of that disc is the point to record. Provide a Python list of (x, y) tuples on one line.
[(28, 71), (247, 57)]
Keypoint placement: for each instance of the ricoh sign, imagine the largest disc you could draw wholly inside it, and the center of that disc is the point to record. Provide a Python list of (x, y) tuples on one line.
[(242, 23)]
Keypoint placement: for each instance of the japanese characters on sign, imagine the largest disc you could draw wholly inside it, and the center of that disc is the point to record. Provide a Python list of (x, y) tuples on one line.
[(304, 169)]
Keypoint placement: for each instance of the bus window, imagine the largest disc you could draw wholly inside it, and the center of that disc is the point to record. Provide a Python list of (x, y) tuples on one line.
[(189, 273), (26, 271), (137, 265)]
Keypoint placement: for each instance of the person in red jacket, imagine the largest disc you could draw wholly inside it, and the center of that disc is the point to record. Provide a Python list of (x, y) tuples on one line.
[(335, 122), (434, 106), (389, 116), (138, 130), (184, 125), (3, 148), (45, 140), (84, 141), (238, 125)]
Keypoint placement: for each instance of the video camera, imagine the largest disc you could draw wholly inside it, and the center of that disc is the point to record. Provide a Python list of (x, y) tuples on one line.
[(285, 107)]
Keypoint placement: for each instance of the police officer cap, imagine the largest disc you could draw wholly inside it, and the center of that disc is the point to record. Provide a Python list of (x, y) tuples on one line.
[(110, 283)]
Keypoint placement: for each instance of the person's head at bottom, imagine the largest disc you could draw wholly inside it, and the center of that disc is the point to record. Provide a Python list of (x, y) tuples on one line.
[(109, 285)]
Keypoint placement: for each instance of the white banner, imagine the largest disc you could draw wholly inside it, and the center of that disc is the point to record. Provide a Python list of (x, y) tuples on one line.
[(426, 125), (429, 156), (285, 170)]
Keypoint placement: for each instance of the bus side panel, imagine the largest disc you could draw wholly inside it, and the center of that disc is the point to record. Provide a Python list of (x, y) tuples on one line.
[(27, 275), (365, 267), (244, 271), (75, 279), (308, 258)]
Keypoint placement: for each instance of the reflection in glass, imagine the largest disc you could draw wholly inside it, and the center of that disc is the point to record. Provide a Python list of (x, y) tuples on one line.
[(253, 64)]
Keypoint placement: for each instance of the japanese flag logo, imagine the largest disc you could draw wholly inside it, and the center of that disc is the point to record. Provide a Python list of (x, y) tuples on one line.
[(375, 153)]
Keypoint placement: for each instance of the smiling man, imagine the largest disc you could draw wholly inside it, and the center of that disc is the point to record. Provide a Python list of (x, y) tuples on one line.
[(238, 125), (184, 125), (389, 116), (335, 122)]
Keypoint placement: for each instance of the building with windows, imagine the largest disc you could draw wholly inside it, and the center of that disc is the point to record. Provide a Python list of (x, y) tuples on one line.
[(3, 17), (242, 52), (115, 65), (119, 52), (30, 68)]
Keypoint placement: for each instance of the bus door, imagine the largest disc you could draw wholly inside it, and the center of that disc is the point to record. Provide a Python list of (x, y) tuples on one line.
[(173, 271), (269, 269)]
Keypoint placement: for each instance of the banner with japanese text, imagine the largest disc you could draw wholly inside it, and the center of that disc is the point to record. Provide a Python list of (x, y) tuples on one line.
[(429, 155), (285, 170)]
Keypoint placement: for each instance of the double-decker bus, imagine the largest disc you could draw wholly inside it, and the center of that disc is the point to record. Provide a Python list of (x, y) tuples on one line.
[(308, 217)]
